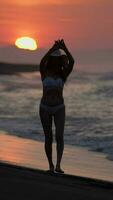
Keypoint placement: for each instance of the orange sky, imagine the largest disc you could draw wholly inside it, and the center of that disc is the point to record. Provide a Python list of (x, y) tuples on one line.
[(82, 23)]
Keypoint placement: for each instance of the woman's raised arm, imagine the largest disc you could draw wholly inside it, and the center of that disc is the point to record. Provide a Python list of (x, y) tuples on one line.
[(68, 68), (44, 60)]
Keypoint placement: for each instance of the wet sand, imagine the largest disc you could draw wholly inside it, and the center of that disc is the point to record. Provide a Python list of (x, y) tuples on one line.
[(76, 161), (23, 173)]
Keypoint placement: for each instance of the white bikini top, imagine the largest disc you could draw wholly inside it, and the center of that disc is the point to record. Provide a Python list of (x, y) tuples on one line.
[(52, 82)]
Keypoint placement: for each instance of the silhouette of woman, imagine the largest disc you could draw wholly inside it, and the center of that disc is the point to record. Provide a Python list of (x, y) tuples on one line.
[(54, 69)]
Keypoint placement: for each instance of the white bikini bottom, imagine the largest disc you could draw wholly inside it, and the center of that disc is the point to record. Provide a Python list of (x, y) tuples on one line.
[(52, 109)]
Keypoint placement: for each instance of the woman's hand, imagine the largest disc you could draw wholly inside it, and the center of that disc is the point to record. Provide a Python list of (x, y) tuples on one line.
[(55, 46), (62, 45), (59, 44)]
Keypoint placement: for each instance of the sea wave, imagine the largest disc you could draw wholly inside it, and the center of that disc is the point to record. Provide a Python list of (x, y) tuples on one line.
[(89, 109)]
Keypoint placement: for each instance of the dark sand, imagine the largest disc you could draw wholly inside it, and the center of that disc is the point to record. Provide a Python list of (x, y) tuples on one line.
[(20, 183)]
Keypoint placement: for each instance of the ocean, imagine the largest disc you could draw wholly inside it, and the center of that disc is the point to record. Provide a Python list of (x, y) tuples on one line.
[(89, 109)]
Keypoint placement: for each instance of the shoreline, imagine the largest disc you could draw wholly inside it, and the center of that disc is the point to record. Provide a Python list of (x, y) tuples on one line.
[(86, 148)]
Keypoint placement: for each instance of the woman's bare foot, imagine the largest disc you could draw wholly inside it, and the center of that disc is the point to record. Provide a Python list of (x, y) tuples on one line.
[(58, 169), (51, 168)]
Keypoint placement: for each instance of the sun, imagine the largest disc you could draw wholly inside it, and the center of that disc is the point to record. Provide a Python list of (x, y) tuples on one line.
[(26, 43)]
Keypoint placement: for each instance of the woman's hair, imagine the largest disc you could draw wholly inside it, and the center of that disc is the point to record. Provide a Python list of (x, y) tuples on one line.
[(54, 64), (65, 60)]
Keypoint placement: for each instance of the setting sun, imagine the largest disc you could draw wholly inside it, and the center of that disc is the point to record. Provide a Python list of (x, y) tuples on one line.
[(26, 43)]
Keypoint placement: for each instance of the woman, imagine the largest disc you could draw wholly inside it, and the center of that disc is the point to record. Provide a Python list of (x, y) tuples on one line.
[(54, 69)]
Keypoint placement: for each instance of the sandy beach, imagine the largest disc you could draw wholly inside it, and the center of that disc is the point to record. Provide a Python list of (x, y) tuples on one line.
[(23, 173)]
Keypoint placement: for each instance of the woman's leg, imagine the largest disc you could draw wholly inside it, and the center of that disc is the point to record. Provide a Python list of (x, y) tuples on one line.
[(46, 120), (59, 119)]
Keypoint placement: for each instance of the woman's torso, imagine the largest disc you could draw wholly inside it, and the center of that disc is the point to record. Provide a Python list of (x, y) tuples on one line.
[(52, 91)]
